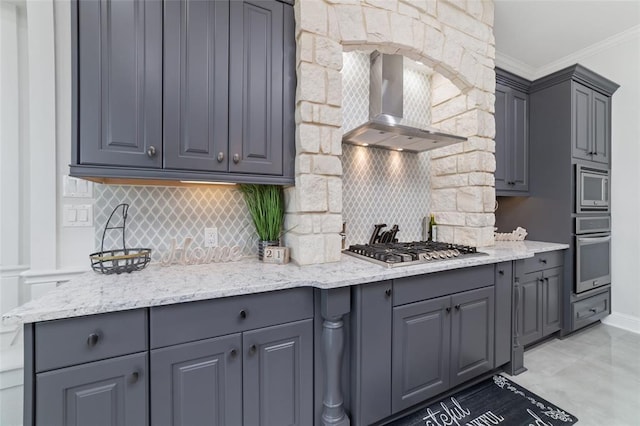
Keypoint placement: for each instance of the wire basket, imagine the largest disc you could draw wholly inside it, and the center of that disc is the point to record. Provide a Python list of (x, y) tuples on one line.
[(119, 260)]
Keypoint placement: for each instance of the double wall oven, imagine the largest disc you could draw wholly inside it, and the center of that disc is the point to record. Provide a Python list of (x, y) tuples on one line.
[(593, 252), (592, 236)]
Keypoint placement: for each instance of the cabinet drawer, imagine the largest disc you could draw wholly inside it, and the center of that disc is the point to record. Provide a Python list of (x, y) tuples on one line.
[(65, 342), (540, 261), (590, 310), (185, 322), (428, 286)]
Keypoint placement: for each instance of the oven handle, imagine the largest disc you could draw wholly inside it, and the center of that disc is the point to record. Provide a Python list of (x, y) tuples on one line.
[(594, 240)]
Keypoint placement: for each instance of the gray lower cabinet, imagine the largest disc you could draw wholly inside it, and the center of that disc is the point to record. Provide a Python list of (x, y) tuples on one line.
[(278, 375), (371, 321), (537, 296), (421, 351), (589, 309), (108, 392), (260, 377), (472, 334), (440, 343), (529, 313), (551, 306), (503, 320), (232, 361), (198, 383)]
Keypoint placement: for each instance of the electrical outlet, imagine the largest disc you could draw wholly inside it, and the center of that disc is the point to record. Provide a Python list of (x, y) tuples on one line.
[(210, 237)]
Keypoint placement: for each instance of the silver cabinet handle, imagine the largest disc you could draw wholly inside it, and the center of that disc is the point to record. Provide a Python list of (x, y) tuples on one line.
[(220, 157), (151, 151), (236, 158)]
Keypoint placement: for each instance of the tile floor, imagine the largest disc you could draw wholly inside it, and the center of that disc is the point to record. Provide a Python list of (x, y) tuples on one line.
[(593, 374)]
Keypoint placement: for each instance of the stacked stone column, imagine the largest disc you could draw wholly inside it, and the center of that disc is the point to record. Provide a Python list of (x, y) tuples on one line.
[(455, 38)]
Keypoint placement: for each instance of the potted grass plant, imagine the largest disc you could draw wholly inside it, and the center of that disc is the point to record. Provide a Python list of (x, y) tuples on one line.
[(266, 207)]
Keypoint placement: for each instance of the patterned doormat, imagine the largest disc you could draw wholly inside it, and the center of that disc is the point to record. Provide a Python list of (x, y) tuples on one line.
[(495, 401)]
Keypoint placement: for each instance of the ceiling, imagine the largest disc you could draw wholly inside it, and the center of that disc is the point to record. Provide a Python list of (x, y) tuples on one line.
[(534, 34)]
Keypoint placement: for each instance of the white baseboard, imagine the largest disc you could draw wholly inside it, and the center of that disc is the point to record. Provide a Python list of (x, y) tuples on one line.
[(624, 321)]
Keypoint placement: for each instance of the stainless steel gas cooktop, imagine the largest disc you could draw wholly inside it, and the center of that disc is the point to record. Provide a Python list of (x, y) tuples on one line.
[(405, 254)]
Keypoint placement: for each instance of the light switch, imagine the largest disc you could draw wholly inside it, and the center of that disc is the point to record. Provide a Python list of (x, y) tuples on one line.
[(77, 215), (82, 215), (71, 215), (76, 188)]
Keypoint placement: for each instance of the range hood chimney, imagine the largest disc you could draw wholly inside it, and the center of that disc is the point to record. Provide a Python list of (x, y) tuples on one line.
[(386, 127)]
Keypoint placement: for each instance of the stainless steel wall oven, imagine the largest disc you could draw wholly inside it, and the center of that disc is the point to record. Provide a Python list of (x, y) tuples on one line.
[(593, 252)]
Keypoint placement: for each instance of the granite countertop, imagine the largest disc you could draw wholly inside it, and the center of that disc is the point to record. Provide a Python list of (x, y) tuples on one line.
[(93, 293)]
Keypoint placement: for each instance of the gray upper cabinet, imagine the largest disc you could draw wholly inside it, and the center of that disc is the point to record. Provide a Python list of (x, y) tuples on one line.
[(196, 49), (184, 90), (591, 133), (109, 392), (119, 83), (512, 134), (256, 87), (198, 383)]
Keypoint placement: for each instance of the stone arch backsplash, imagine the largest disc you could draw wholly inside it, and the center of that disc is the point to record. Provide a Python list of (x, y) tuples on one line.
[(453, 38)]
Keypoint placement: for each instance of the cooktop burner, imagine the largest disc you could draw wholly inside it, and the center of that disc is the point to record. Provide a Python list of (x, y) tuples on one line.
[(405, 254)]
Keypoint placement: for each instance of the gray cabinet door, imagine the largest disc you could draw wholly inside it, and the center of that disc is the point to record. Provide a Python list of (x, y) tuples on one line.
[(196, 44), (420, 353), (501, 138), (581, 122), (197, 383), (551, 301), (512, 140), (472, 334), (529, 313), (502, 320), (109, 392), (278, 375), (256, 87), (601, 128), (371, 325), (120, 83), (519, 144)]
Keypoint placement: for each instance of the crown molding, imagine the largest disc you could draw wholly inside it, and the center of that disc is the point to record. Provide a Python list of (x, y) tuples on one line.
[(515, 66), (588, 51), (525, 70)]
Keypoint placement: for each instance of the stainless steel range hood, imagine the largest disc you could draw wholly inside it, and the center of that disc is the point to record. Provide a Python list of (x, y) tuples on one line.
[(386, 127)]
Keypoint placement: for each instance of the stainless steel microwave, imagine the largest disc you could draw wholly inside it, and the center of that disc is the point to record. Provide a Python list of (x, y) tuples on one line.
[(592, 189)]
